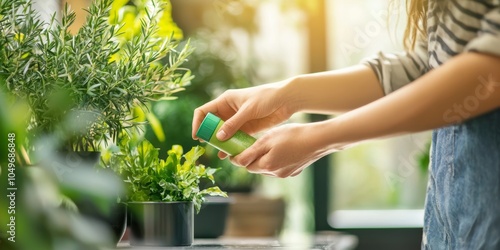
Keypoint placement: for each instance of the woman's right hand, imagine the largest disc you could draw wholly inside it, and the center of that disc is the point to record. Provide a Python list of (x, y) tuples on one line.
[(250, 109)]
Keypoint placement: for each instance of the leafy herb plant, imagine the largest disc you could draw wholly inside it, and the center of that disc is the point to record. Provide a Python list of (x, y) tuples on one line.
[(94, 77), (148, 178)]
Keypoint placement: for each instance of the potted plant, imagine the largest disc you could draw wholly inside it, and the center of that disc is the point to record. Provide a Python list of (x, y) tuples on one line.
[(83, 87), (217, 216), (162, 193), (93, 78)]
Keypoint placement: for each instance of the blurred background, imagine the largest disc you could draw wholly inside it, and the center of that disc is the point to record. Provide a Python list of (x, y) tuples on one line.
[(375, 190)]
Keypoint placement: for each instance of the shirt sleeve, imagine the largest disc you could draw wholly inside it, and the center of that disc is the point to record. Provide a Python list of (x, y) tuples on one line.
[(488, 39), (397, 70)]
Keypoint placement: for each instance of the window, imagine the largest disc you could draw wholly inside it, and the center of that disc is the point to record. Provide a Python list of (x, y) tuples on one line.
[(380, 183)]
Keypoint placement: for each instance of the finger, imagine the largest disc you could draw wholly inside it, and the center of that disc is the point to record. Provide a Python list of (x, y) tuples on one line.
[(250, 155), (264, 165), (296, 173), (269, 174), (233, 124), (258, 167), (197, 120), (284, 173), (199, 115), (222, 155)]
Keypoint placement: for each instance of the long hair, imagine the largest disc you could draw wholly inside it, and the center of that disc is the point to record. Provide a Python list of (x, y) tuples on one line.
[(417, 22)]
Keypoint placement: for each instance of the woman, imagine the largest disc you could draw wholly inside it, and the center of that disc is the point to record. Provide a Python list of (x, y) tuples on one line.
[(448, 80)]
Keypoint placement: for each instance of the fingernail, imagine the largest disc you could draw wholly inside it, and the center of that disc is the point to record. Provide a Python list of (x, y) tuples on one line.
[(221, 135), (245, 164)]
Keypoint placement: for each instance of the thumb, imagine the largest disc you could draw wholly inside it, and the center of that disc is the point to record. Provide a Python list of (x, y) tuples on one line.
[(232, 125)]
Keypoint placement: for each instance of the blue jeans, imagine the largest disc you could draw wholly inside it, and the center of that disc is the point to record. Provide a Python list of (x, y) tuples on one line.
[(462, 209)]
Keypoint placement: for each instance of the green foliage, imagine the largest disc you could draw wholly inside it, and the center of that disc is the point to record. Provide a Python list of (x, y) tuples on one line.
[(93, 76), (130, 13), (218, 66), (45, 219), (149, 178)]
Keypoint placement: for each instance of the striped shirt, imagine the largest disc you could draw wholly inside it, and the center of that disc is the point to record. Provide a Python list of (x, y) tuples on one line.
[(453, 27)]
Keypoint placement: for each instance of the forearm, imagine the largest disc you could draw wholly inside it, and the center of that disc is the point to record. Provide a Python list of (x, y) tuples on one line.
[(465, 87), (333, 91)]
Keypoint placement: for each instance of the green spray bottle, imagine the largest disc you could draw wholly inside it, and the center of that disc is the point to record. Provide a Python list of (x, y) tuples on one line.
[(233, 146)]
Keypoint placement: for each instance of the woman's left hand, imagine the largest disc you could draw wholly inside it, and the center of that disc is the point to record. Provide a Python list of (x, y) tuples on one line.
[(283, 151)]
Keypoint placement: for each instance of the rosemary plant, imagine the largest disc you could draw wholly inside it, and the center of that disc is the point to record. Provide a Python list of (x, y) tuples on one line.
[(93, 77)]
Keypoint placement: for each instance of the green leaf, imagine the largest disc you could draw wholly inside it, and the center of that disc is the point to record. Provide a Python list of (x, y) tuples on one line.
[(156, 126), (211, 171), (192, 156), (177, 150), (167, 98), (168, 186), (213, 191), (197, 201), (94, 86)]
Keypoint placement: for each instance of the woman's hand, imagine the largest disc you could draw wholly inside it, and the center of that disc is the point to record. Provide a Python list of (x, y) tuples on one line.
[(262, 107), (283, 151), (250, 109)]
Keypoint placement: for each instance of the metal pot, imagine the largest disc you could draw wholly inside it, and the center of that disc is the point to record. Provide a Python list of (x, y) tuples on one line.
[(161, 223)]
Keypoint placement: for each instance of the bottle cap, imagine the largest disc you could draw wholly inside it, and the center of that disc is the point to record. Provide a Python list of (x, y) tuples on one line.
[(208, 127)]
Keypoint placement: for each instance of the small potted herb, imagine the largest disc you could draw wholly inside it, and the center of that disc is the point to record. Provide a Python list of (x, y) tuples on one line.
[(163, 194)]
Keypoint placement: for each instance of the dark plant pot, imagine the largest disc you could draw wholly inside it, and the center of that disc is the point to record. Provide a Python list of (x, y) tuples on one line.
[(210, 222), (161, 223), (116, 217)]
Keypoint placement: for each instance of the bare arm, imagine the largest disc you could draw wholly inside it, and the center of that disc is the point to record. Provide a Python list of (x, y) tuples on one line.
[(334, 91), (262, 107), (465, 87)]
